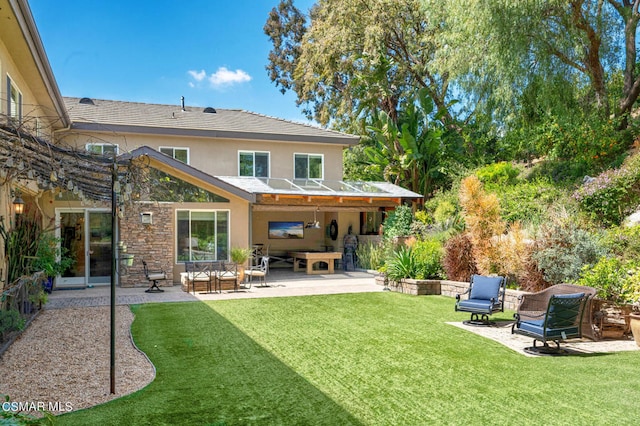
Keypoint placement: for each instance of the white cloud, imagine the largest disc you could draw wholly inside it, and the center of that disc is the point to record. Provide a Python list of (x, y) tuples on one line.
[(198, 75), (225, 77)]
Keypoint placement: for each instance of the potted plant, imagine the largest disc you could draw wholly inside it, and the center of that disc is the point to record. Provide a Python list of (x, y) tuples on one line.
[(51, 258), (240, 256)]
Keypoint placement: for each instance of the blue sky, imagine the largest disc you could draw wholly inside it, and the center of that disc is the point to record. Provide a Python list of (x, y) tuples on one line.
[(212, 52)]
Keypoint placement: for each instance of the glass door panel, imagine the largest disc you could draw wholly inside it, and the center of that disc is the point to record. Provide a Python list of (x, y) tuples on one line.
[(72, 240), (99, 248)]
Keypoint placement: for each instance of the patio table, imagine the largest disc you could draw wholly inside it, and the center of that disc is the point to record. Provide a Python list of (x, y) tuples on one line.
[(313, 257)]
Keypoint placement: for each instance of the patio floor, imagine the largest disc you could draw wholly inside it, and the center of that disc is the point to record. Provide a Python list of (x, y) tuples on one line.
[(280, 283)]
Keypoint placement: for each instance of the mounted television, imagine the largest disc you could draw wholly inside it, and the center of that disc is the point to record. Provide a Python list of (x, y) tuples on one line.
[(286, 230)]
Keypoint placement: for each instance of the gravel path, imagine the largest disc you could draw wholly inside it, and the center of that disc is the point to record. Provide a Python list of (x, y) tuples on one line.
[(72, 370)]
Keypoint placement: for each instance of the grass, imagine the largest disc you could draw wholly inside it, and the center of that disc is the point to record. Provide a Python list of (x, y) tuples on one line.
[(361, 359)]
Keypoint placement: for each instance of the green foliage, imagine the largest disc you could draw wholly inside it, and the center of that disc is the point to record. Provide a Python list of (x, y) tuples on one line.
[(623, 241), (240, 255), (617, 280), (370, 255), (501, 173), (402, 264), (15, 417), (50, 256), (427, 256), (10, 320), (445, 210), (563, 250), (398, 222), (613, 194), (22, 243), (528, 201)]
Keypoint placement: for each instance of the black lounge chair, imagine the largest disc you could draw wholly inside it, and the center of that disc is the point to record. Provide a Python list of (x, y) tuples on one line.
[(486, 297), (561, 320)]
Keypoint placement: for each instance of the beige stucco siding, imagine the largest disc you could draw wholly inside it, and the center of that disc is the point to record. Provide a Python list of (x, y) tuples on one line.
[(219, 157)]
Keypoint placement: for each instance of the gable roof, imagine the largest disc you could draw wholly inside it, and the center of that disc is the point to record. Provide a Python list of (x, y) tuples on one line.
[(133, 117)]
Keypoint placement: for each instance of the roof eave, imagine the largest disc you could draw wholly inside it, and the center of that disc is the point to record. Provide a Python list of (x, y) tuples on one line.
[(172, 131)]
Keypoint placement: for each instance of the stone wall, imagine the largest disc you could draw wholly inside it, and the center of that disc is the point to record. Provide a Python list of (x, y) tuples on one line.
[(151, 242)]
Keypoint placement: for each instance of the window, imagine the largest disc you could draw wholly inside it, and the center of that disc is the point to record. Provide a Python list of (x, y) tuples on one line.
[(180, 154), (102, 148), (203, 235), (14, 105), (253, 164), (308, 166)]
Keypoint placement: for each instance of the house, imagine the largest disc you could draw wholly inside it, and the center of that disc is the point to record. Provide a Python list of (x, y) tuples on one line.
[(215, 178)]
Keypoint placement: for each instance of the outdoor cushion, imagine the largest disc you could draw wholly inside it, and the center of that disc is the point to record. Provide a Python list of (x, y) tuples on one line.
[(471, 305), (485, 287), (535, 327)]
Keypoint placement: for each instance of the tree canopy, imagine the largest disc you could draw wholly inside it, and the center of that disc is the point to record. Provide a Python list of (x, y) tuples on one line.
[(506, 79)]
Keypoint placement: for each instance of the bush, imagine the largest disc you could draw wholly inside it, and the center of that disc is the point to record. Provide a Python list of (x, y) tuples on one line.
[(427, 256), (563, 250), (398, 222), (458, 260), (623, 241), (613, 194), (616, 280), (10, 320), (401, 265), (370, 255), (501, 173), (528, 201)]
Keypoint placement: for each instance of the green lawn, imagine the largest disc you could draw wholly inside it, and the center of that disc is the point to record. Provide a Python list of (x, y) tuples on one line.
[(370, 359)]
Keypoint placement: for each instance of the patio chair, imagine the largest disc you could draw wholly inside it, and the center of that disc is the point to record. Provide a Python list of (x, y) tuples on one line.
[(561, 321), (153, 278), (228, 273), (259, 271), (486, 297), (533, 305), (200, 272)]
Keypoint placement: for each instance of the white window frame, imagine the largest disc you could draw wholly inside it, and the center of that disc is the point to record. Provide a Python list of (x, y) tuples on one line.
[(253, 153), (308, 154), (173, 152), (11, 86), (89, 147)]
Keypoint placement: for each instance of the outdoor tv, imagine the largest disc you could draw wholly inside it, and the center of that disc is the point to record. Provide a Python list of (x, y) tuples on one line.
[(286, 230)]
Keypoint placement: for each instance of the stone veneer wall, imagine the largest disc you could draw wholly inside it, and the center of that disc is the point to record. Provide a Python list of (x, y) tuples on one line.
[(153, 243), (444, 288)]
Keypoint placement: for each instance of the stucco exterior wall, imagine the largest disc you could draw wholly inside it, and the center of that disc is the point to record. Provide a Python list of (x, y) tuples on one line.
[(219, 157)]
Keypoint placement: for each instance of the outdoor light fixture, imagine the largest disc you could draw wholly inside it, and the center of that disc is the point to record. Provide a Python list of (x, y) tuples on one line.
[(315, 224), (18, 205)]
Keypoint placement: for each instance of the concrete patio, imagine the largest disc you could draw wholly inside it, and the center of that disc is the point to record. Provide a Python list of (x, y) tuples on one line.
[(280, 283)]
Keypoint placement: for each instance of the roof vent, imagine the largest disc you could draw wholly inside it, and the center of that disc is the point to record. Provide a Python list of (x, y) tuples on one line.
[(86, 101), (209, 110)]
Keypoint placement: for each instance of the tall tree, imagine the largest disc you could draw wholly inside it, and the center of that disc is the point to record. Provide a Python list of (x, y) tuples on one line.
[(356, 57)]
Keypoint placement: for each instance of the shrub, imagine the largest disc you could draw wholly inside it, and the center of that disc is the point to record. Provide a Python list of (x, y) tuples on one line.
[(458, 262), (427, 255), (613, 194), (398, 222), (401, 265), (528, 201), (482, 217), (444, 211), (501, 173), (623, 241), (562, 250), (616, 280), (370, 255), (10, 320)]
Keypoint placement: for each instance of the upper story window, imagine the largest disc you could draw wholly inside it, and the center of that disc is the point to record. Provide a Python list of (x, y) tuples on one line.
[(180, 154), (14, 100), (253, 164), (308, 166), (102, 148)]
